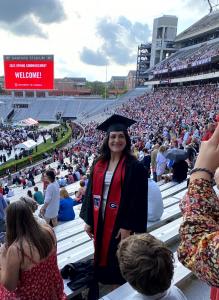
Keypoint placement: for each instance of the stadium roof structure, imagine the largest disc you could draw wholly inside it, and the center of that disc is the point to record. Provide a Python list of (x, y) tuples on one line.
[(208, 23)]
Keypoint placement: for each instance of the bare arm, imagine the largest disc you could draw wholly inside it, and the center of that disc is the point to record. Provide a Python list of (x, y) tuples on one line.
[(199, 231), (10, 267)]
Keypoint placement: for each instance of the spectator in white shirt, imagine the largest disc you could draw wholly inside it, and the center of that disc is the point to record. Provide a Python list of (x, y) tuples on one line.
[(155, 202), (51, 203)]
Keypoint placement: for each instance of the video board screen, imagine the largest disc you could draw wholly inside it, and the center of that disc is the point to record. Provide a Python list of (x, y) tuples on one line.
[(29, 72)]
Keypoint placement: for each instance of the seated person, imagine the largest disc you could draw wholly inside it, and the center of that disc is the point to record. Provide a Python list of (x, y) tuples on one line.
[(85, 179), (62, 182), (70, 178), (16, 180), (10, 193), (29, 183), (58, 170), (147, 264), (29, 194), (6, 189), (155, 202), (66, 211), (38, 196), (64, 166), (23, 182), (33, 207), (1, 189), (79, 195), (180, 170), (77, 174)]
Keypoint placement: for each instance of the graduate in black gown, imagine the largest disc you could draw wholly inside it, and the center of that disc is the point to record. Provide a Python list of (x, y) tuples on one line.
[(115, 204)]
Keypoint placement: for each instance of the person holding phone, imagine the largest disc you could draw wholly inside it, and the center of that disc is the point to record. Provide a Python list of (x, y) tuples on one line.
[(199, 232)]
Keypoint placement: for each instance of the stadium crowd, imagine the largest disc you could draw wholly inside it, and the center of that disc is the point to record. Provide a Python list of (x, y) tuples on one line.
[(11, 136), (180, 115), (167, 118), (184, 58)]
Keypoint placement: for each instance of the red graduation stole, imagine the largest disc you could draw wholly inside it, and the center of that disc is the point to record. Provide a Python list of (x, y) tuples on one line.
[(112, 206), (214, 293)]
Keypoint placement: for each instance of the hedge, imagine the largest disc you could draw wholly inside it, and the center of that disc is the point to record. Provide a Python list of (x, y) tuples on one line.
[(25, 161)]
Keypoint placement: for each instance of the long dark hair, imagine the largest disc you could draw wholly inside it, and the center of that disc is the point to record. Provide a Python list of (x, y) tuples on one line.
[(105, 152), (21, 226)]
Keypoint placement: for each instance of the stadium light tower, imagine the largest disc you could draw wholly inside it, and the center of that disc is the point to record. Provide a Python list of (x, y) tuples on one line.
[(213, 5)]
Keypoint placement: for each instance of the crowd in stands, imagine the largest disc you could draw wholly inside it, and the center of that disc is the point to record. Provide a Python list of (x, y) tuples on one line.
[(60, 208), (167, 118), (10, 137), (185, 58), (179, 115)]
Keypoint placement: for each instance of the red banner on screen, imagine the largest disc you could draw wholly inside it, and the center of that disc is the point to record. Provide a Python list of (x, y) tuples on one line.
[(29, 72)]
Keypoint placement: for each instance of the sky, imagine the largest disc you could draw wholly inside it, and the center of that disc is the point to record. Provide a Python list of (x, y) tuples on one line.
[(85, 36)]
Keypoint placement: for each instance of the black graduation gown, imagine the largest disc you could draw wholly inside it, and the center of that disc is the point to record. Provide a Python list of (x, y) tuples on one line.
[(132, 215)]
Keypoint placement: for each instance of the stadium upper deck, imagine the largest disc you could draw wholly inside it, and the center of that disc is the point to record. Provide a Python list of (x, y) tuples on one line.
[(208, 24), (198, 50), (189, 57)]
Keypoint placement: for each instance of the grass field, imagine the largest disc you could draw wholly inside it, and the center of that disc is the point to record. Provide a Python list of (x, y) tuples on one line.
[(49, 146)]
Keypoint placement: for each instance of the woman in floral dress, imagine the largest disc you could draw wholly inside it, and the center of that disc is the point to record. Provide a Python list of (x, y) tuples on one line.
[(199, 232)]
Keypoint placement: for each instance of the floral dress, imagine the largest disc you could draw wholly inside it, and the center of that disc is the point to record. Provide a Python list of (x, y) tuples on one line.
[(199, 232), (42, 282)]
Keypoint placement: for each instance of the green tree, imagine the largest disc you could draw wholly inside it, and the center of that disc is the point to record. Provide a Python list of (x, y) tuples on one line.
[(97, 87)]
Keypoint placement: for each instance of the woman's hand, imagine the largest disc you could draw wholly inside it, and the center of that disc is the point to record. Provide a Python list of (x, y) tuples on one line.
[(209, 153), (88, 229), (123, 233)]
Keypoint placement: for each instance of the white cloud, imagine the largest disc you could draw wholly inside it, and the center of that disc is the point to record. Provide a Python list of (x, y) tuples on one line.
[(75, 27)]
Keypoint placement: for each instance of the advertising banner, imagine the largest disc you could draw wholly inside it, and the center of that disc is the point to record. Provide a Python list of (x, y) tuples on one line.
[(29, 72)]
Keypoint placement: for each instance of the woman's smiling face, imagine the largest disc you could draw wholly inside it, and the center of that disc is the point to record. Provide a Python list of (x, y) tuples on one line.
[(117, 141)]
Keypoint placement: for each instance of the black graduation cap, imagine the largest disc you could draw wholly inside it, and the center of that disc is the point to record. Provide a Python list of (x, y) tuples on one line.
[(116, 123)]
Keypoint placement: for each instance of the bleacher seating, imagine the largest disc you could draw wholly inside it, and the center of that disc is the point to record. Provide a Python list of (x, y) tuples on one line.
[(127, 292), (74, 244), (5, 107), (42, 110), (167, 234)]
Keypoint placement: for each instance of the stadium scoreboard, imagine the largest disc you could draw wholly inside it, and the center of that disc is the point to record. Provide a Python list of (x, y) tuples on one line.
[(29, 72)]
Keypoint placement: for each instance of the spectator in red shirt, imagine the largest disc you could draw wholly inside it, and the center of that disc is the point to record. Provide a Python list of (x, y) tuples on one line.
[(209, 132)]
